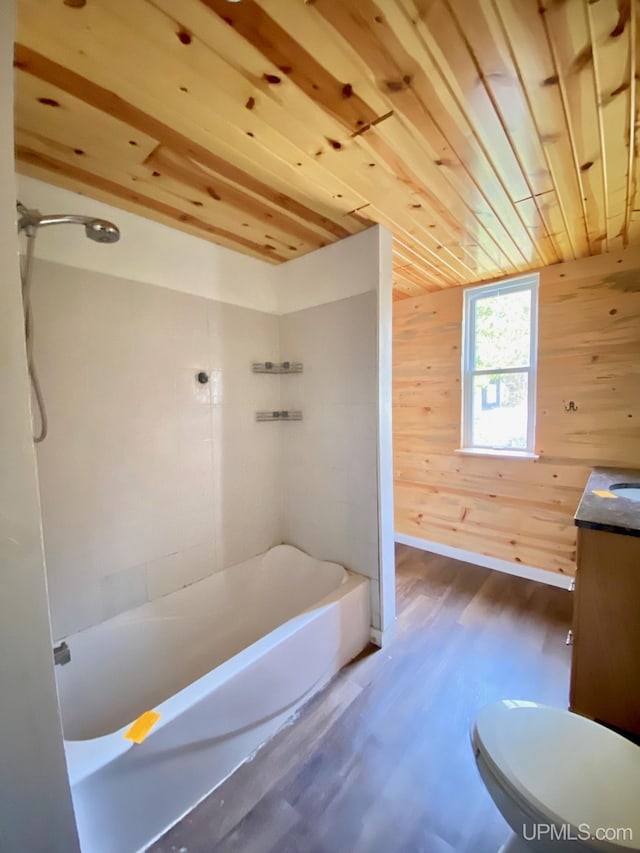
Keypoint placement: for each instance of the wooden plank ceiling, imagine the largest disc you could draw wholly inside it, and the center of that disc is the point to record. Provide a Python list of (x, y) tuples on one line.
[(490, 136)]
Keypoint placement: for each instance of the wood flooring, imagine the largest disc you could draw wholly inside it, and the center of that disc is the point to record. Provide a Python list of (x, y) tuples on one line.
[(380, 761)]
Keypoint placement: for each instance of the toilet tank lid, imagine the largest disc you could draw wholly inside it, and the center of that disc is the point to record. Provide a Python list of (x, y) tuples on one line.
[(570, 769)]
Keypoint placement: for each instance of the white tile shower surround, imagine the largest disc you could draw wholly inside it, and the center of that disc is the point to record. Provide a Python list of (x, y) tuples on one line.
[(330, 494), (151, 481)]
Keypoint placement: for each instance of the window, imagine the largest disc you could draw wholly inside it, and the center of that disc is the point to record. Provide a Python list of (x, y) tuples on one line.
[(500, 338)]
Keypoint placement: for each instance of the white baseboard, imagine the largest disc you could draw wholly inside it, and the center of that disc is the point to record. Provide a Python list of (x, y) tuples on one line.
[(528, 572), (382, 638)]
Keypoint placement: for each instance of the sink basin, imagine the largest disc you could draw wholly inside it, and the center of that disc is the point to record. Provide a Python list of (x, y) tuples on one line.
[(630, 491)]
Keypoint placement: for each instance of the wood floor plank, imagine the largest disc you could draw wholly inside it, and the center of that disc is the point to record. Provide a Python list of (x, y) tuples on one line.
[(380, 760), (263, 828)]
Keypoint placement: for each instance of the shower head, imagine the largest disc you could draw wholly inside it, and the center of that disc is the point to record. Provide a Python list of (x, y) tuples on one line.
[(102, 231), (99, 230)]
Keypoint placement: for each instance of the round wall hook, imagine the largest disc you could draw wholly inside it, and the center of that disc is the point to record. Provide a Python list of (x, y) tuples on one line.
[(203, 377)]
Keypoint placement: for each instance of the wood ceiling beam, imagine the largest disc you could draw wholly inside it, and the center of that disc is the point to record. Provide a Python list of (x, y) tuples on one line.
[(597, 93), (189, 173), (97, 96), (534, 191), (248, 54), (277, 46), (398, 53), (634, 75), (563, 232), (116, 190), (113, 150), (560, 81)]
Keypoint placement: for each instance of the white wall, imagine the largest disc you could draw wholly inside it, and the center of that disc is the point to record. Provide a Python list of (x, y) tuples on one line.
[(331, 474), (330, 469), (385, 438), (35, 804), (343, 269), (149, 480), (148, 251)]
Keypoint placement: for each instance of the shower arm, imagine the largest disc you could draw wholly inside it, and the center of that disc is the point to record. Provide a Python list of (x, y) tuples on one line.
[(31, 218), (65, 219)]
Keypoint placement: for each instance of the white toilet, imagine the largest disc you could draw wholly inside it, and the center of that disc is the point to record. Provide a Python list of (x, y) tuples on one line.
[(561, 781)]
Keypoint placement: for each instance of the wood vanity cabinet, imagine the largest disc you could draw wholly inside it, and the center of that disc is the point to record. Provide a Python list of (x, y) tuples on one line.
[(605, 665)]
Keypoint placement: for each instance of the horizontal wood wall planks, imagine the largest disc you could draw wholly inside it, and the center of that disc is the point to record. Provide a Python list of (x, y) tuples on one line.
[(519, 509), (490, 137)]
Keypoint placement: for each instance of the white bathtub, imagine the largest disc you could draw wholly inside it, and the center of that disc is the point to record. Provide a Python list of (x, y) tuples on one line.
[(226, 662)]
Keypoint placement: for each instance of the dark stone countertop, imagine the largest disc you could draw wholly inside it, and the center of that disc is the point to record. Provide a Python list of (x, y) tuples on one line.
[(615, 515)]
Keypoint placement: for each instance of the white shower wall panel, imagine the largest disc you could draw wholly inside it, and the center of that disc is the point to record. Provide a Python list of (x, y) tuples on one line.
[(149, 480)]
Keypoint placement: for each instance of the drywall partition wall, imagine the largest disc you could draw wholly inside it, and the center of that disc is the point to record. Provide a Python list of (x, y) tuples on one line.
[(36, 814), (148, 251), (343, 269), (331, 458), (519, 510), (385, 436), (149, 479)]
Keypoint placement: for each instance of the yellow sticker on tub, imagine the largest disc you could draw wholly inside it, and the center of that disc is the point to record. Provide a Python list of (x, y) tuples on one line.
[(604, 493), (142, 726)]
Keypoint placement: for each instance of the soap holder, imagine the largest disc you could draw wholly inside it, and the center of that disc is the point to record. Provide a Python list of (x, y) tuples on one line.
[(283, 415), (275, 367)]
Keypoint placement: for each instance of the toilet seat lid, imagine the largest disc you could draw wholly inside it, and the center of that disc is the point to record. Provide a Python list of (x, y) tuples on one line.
[(567, 768)]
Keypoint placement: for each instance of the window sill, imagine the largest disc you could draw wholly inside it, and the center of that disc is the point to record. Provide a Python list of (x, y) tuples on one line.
[(487, 451)]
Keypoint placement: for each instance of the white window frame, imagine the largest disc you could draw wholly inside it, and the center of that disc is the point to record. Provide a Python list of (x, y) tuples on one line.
[(471, 296)]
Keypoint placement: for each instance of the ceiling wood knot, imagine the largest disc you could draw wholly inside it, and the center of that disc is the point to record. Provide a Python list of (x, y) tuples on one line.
[(583, 59), (620, 89), (399, 85), (272, 78), (624, 16)]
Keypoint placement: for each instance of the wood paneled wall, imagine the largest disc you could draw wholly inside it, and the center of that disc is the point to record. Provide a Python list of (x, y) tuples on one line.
[(519, 509)]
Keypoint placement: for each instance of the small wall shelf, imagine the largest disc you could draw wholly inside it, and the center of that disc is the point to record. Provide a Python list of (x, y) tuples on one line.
[(283, 415), (273, 367)]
